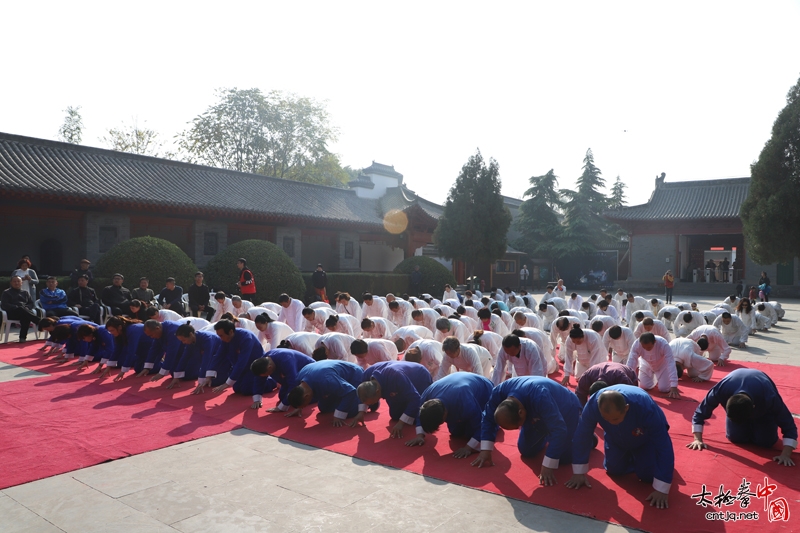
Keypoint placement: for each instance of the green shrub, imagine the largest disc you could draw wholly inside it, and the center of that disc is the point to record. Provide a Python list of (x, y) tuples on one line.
[(357, 283), (434, 274), (156, 259), (273, 270)]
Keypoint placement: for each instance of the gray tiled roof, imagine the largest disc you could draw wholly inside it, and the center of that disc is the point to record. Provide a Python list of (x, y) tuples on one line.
[(706, 199), (67, 173), (383, 170), (402, 198)]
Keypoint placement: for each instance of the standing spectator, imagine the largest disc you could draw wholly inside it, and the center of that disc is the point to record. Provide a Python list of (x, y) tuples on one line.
[(117, 297), (416, 281), (739, 288), (28, 277), (200, 298), (54, 300), (144, 293), (711, 266), (18, 305), (83, 269), (320, 281), (763, 286), (524, 276), (85, 300), (171, 297), (669, 284), (724, 266), (246, 283)]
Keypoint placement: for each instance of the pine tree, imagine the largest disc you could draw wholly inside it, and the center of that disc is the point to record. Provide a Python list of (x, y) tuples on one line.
[(617, 198), (771, 213), (72, 129), (475, 221), (584, 227), (538, 220)]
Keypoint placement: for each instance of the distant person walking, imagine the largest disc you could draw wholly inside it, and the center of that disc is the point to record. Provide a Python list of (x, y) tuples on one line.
[(246, 283), (524, 276), (320, 281), (669, 284)]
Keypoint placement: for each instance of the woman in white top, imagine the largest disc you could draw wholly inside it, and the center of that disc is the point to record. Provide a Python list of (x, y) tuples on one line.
[(29, 278)]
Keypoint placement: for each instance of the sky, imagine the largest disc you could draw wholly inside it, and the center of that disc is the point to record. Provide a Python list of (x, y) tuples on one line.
[(686, 88)]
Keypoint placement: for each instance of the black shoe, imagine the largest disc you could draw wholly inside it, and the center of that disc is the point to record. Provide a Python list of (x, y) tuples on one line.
[(22, 339)]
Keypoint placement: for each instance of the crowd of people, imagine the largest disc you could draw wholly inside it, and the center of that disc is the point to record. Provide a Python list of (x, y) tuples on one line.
[(475, 362)]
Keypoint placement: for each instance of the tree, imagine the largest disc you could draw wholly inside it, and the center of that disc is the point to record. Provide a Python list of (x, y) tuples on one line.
[(770, 214), (617, 198), (538, 220), (474, 224), (280, 135), (135, 140), (72, 129), (584, 227)]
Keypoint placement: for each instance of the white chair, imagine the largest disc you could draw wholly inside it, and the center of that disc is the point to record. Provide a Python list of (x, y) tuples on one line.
[(6, 327)]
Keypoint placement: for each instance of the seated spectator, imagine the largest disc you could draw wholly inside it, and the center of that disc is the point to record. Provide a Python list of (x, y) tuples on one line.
[(54, 300), (82, 270), (117, 297), (171, 297), (84, 299), (18, 305), (200, 298), (144, 293)]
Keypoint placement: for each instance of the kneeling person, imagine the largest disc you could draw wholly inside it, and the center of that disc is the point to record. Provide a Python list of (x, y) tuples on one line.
[(331, 384)]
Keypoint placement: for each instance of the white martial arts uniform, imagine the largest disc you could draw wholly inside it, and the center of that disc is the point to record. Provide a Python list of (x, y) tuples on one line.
[(337, 346), (457, 330), (748, 319), (655, 309), (402, 316), (583, 316), (689, 354), (303, 341), (253, 312), (621, 347), (350, 307), (272, 336), (645, 314), (531, 321), (316, 305), (583, 356), (472, 313), (558, 335), (450, 295), (547, 317), (656, 366), (470, 358), (734, 333), (378, 351), (382, 329), (683, 328), (575, 303), (545, 347), (431, 355), (607, 322), (589, 309), (292, 315), (638, 304), (530, 362), (673, 312), (348, 324), (412, 334), (378, 308), (658, 329), (276, 308), (243, 308), (609, 311), (558, 302), (560, 292), (317, 322), (718, 347), (429, 318), (491, 341), (770, 314), (172, 316), (221, 308)]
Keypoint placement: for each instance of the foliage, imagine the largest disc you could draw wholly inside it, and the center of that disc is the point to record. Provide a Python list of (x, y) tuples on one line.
[(280, 135), (475, 222), (584, 227), (156, 259), (770, 214), (538, 221), (357, 283), (434, 274), (135, 140), (273, 270), (617, 198), (72, 129)]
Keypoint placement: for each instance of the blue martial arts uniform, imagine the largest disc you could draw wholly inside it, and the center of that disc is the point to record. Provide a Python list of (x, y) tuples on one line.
[(287, 365), (133, 351), (61, 322), (231, 362), (334, 385), (402, 384), (769, 411), (552, 413), (189, 362), (101, 349), (464, 396), (164, 350), (73, 345), (640, 443)]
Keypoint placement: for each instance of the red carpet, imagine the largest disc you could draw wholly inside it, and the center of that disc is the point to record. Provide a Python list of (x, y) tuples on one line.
[(126, 418)]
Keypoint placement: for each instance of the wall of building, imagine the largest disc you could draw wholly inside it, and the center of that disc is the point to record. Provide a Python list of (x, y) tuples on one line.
[(381, 184), (290, 240), (380, 257), (104, 230), (210, 238), (318, 247), (178, 231), (651, 256), (349, 251)]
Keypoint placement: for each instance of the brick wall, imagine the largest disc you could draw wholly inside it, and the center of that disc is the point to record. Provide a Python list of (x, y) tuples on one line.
[(649, 255)]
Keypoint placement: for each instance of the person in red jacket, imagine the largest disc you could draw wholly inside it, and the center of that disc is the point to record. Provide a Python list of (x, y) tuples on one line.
[(246, 283)]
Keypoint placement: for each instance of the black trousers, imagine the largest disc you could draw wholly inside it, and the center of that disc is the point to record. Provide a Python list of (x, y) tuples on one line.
[(25, 317), (207, 313), (63, 311)]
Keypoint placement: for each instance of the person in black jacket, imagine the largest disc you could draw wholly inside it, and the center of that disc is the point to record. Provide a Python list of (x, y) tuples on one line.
[(171, 297), (117, 297), (199, 298), (82, 270), (416, 281), (18, 305), (85, 299), (320, 281)]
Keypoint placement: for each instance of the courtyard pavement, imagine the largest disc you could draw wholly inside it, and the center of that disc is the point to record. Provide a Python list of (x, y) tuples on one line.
[(243, 481)]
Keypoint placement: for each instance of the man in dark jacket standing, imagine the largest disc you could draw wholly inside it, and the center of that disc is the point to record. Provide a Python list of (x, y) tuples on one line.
[(320, 281), (18, 306)]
